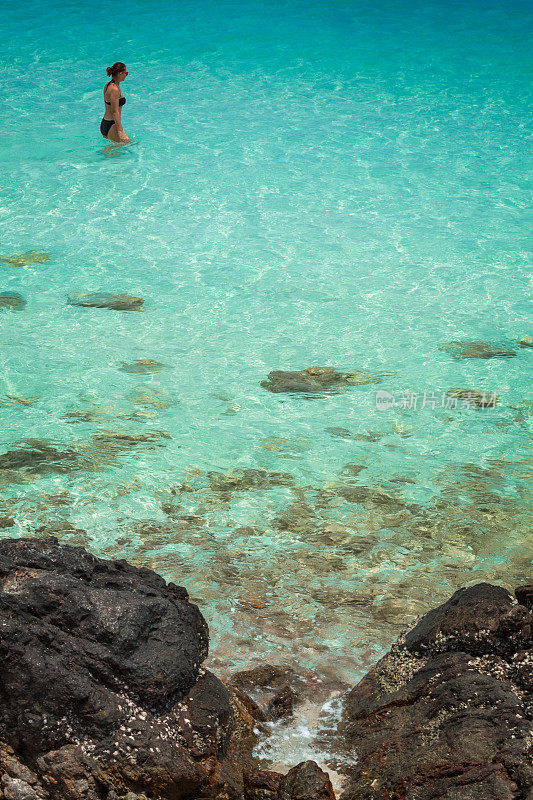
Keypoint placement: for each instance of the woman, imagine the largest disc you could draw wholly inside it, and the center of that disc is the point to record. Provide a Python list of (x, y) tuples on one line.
[(111, 125)]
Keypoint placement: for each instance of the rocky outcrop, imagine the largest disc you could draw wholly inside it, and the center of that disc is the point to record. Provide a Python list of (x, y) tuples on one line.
[(117, 302), (101, 682), (446, 713), (316, 379), (103, 695)]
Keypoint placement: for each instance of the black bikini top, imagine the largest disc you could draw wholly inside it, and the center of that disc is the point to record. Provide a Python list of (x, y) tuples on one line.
[(120, 102)]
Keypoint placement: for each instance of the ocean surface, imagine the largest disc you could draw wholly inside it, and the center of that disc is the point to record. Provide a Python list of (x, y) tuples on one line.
[(339, 184)]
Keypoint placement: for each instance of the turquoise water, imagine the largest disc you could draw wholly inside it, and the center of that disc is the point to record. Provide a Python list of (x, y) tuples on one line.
[(324, 183)]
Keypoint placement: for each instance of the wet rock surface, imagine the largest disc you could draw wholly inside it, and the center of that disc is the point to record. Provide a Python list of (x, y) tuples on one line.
[(446, 713), (116, 302), (316, 379), (270, 691)]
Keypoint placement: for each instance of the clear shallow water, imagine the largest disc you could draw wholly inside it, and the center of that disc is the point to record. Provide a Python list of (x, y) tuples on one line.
[(337, 183)]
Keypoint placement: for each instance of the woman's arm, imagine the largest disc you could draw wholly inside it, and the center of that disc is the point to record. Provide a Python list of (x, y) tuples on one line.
[(113, 94)]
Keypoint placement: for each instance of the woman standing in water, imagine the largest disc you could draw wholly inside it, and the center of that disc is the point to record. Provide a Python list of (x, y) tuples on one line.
[(111, 125)]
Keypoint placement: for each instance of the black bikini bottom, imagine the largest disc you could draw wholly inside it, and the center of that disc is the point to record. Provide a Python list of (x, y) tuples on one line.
[(105, 126)]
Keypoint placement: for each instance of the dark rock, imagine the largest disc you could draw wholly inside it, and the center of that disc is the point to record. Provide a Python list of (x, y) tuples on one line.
[(117, 302), (444, 713), (524, 595), (267, 676), (316, 379), (474, 398), (466, 349), (481, 619), (306, 781), (11, 300), (282, 704), (6, 522), (299, 518), (99, 611), (100, 680)]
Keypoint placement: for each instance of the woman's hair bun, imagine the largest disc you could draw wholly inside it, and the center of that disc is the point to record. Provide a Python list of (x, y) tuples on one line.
[(117, 67)]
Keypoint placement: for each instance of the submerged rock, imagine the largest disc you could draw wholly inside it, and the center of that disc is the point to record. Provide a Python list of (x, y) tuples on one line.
[(444, 713), (11, 300), (117, 302), (526, 341), (23, 259), (41, 458), (466, 349), (247, 479), (123, 440), (316, 379), (474, 398), (143, 366)]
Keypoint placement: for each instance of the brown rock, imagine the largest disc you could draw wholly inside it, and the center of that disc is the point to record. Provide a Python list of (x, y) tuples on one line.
[(262, 785), (282, 704), (306, 781)]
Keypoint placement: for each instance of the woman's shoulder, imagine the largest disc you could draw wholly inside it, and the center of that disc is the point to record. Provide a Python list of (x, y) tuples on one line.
[(111, 88)]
